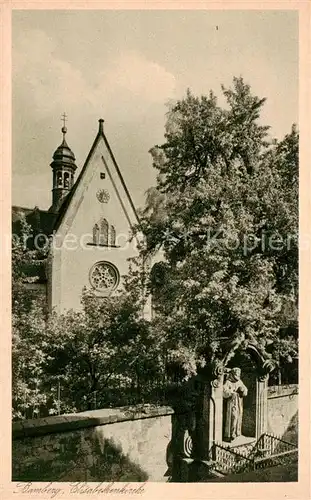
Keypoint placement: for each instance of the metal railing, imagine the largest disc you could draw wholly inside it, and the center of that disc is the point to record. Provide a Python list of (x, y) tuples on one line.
[(269, 444), (228, 461), (269, 451)]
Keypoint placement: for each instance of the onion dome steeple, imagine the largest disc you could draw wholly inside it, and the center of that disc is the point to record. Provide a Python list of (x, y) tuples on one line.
[(63, 166)]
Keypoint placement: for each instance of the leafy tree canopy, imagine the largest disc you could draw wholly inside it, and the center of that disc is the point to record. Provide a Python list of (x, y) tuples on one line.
[(225, 215)]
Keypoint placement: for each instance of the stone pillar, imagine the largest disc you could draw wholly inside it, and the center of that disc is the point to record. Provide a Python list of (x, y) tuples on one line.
[(217, 396), (209, 418), (261, 405), (204, 428)]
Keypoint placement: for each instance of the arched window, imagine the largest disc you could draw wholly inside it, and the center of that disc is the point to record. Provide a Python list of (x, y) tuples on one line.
[(96, 234), (112, 236), (103, 238), (103, 234), (59, 179), (66, 180)]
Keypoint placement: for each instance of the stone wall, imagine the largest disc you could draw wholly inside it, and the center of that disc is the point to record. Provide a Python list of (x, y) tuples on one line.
[(102, 445), (127, 445), (283, 411)]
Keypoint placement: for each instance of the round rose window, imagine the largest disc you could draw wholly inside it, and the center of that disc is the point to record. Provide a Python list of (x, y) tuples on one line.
[(103, 196), (104, 277)]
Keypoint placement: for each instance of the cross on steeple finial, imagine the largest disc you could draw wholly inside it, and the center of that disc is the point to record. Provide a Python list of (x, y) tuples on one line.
[(64, 118), (64, 128)]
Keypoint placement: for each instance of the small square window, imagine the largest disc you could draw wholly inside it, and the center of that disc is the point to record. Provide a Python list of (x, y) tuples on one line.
[(102, 175)]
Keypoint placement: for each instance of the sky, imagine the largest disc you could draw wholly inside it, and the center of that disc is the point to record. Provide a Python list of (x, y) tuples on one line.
[(125, 67)]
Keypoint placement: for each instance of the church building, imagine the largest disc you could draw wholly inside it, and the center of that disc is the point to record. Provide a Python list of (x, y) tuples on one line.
[(89, 225)]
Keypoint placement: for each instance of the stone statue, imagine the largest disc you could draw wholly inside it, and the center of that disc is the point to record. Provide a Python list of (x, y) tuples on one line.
[(233, 391)]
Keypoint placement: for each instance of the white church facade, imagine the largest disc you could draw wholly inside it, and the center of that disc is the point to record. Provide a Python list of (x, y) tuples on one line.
[(90, 226)]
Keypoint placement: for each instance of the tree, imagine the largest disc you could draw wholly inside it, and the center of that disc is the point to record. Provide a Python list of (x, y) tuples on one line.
[(106, 345), (62, 362), (28, 325), (223, 211)]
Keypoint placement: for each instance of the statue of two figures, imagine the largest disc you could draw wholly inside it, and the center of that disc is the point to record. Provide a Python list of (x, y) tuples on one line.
[(233, 392)]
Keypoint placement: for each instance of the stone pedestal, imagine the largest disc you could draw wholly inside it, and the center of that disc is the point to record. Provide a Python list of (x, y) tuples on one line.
[(242, 445)]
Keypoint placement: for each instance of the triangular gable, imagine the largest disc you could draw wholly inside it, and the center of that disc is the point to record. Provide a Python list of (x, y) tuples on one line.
[(71, 204)]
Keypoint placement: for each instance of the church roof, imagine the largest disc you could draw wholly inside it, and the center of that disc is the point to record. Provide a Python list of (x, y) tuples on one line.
[(65, 205), (46, 221), (41, 221), (64, 155)]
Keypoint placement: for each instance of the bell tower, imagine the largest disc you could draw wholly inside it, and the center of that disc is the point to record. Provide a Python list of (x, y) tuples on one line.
[(63, 166)]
